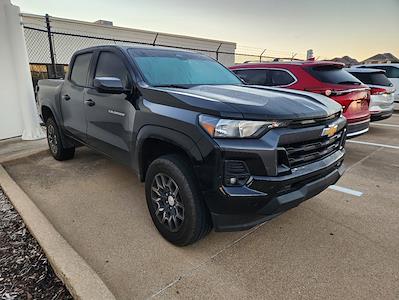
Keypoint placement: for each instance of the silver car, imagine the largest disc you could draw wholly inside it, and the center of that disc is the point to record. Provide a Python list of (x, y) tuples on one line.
[(381, 89)]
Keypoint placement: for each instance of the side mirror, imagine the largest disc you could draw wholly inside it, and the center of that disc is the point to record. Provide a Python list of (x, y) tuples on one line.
[(109, 85)]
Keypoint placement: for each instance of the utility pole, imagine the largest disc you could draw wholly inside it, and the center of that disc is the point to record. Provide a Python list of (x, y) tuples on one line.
[(50, 42), (217, 52), (260, 56)]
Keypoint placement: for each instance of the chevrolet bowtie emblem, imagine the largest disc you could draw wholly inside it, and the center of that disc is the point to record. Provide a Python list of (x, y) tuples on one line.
[(330, 130)]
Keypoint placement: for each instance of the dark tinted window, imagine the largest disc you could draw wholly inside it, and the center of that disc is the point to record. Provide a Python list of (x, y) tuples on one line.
[(111, 65), (373, 78), (252, 76), (279, 77), (80, 68), (391, 72), (333, 74)]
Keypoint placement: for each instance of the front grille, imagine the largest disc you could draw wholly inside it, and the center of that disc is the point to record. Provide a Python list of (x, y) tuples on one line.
[(306, 152)]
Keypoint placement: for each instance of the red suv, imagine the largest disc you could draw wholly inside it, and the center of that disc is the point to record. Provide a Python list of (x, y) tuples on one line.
[(327, 78)]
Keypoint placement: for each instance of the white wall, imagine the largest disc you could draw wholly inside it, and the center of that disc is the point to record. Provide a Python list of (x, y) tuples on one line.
[(18, 115), (10, 113), (66, 46)]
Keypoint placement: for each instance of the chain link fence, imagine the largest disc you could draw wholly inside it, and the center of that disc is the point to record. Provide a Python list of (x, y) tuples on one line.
[(51, 49)]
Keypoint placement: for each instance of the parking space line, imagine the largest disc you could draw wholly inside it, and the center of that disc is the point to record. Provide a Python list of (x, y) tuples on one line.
[(385, 125), (345, 190), (374, 144)]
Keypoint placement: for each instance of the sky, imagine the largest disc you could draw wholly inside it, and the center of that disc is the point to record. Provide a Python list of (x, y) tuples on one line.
[(358, 28)]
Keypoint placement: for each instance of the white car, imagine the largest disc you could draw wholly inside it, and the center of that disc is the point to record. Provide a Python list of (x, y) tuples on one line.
[(381, 90), (392, 72)]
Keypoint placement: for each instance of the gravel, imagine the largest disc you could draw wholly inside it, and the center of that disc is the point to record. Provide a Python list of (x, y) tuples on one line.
[(25, 272)]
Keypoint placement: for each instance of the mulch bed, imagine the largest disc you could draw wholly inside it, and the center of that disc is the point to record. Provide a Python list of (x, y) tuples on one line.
[(25, 272)]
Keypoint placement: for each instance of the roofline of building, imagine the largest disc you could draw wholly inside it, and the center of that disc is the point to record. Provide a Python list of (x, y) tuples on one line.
[(128, 29)]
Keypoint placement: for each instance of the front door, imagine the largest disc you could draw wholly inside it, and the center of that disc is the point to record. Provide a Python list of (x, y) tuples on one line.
[(110, 117)]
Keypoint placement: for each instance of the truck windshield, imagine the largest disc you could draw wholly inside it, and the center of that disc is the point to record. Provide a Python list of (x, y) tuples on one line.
[(178, 68)]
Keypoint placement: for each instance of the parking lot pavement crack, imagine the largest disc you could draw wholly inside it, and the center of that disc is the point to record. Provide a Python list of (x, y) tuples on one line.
[(363, 159), (359, 235), (205, 261)]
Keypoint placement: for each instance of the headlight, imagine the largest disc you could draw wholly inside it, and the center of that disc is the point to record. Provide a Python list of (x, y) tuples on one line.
[(224, 128)]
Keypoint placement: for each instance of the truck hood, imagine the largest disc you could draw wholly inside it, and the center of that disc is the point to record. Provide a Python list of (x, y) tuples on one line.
[(249, 102)]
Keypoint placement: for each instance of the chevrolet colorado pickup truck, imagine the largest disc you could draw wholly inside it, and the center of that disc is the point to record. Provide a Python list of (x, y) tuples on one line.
[(213, 152)]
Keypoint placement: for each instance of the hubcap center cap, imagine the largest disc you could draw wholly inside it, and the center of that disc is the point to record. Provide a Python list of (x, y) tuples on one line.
[(171, 200)]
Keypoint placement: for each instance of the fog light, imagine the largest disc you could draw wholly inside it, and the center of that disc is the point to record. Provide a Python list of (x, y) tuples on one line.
[(236, 173)]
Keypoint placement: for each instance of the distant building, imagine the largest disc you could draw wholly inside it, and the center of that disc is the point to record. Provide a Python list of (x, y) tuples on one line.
[(104, 22), (381, 59), (69, 36)]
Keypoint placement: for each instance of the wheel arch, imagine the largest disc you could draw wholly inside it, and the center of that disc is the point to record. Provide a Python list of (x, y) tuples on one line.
[(46, 113), (155, 141)]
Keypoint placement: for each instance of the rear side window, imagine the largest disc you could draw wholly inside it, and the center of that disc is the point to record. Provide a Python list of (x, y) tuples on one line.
[(333, 74), (111, 65), (252, 76), (80, 69), (280, 77), (373, 78)]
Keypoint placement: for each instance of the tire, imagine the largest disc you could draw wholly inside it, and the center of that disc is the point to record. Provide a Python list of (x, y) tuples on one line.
[(54, 141), (181, 218)]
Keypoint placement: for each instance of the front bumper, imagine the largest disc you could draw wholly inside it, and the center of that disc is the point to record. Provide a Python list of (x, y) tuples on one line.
[(253, 207), (275, 184)]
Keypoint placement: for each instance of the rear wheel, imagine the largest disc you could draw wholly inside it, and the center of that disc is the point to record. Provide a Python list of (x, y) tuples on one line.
[(174, 203), (55, 143)]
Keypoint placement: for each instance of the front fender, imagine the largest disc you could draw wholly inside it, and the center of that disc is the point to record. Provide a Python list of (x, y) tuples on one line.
[(164, 134)]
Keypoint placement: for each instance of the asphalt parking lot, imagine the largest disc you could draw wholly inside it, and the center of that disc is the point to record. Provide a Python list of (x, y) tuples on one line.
[(340, 244)]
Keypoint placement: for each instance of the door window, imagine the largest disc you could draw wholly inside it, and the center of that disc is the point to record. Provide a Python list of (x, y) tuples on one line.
[(252, 76), (110, 65), (280, 78), (80, 69)]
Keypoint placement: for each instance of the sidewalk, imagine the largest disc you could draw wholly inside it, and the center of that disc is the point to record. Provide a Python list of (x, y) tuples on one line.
[(14, 148)]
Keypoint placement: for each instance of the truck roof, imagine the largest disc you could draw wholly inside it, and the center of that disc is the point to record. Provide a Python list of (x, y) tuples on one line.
[(135, 46)]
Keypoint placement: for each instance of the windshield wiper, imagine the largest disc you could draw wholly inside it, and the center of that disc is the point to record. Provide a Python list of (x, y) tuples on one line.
[(349, 82), (173, 86)]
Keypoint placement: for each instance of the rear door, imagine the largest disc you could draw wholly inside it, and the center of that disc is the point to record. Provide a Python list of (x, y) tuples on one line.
[(73, 89), (110, 117)]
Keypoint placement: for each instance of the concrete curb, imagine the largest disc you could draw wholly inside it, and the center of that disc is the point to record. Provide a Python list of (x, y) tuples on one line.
[(80, 279)]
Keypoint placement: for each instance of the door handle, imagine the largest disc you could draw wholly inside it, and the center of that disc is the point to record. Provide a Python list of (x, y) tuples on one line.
[(90, 102), (66, 97)]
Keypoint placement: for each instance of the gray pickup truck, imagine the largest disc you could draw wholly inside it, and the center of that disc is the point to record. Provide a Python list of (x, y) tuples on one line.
[(213, 152)]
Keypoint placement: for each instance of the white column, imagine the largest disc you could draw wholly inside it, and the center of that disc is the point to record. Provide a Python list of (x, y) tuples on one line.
[(17, 103)]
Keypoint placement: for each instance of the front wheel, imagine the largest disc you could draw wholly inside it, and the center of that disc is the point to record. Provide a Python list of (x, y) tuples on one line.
[(55, 143), (174, 203)]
